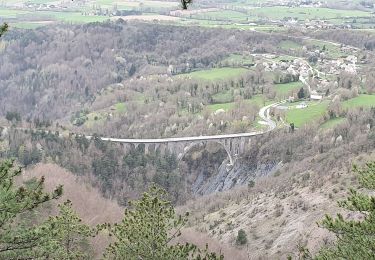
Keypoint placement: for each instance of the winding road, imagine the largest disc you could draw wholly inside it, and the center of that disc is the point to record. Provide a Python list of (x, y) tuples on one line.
[(264, 114), (232, 143)]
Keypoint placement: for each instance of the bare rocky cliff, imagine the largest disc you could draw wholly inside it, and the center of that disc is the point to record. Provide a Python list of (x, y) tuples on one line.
[(209, 171), (227, 178)]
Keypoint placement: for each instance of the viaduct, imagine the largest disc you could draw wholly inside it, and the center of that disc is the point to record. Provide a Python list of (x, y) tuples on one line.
[(234, 144)]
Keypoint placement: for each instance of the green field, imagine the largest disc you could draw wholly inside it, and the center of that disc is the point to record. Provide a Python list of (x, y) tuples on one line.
[(27, 25), (224, 15), (301, 117), (98, 117), (224, 106), (239, 15), (238, 60), (217, 73), (223, 97), (284, 89), (303, 13), (282, 13), (360, 101), (257, 100), (94, 118), (120, 107), (10, 13), (332, 123), (333, 51), (290, 45), (129, 4), (28, 20), (30, 1), (73, 17), (229, 25)]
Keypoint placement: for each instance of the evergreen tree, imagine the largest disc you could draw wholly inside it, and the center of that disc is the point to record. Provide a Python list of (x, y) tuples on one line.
[(355, 238), (186, 3), (3, 29), (66, 237), (301, 93), (147, 232), (292, 127), (13, 116), (241, 238), (16, 240)]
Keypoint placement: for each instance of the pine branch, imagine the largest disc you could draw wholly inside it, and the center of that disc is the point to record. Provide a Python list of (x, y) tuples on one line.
[(3, 29), (186, 3)]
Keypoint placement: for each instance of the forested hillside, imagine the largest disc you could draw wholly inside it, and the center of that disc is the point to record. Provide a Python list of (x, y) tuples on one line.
[(128, 79), (123, 173), (51, 72), (276, 105)]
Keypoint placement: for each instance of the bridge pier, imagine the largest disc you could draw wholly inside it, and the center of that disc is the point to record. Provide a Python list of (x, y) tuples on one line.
[(242, 144), (147, 148), (125, 147), (233, 145), (162, 148), (156, 147)]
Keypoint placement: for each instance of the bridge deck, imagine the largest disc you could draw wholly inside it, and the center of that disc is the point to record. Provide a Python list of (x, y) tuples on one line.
[(264, 114), (179, 139)]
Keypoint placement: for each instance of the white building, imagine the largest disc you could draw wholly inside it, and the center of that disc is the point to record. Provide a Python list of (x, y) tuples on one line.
[(316, 97)]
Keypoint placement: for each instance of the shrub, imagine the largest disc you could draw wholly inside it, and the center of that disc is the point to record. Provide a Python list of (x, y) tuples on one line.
[(241, 238), (251, 184)]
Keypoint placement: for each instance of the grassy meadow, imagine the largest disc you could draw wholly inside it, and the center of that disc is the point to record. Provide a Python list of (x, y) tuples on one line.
[(314, 111), (360, 101), (217, 73)]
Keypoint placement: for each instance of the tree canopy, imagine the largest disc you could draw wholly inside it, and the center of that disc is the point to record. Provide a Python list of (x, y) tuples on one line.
[(17, 239), (186, 3), (66, 237), (3, 29), (148, 230), (355, 238)]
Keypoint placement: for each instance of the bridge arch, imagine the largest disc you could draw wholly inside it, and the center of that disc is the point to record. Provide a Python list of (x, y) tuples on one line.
[(194, 144)]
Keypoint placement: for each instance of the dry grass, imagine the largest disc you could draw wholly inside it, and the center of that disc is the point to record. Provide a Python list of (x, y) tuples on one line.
[(87, 201), (200, 239), (278, 214)]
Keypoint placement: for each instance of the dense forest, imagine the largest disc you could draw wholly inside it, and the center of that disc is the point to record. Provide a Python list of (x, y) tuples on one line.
[(52, 71), (73, 73), (56, 76), (59, 83), (122, 173)]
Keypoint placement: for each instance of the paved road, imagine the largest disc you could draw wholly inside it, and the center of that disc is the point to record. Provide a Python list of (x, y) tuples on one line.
[(304, 81), (264, 114)]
